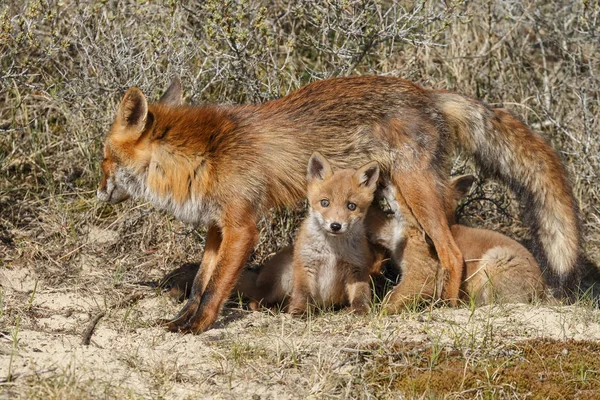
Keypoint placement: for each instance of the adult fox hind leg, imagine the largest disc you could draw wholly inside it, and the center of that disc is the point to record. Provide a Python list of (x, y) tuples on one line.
[(419, 187), (227, 250), (419, 174)]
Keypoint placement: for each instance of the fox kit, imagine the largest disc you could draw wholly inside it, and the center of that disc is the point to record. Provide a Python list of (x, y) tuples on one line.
[(331, 258), (224, 166), (498, 269)]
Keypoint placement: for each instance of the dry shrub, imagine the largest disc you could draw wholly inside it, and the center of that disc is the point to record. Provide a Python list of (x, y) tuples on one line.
[(65, 64)]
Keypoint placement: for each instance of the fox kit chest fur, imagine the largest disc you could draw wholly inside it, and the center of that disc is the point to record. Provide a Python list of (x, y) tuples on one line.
[(329, 260)]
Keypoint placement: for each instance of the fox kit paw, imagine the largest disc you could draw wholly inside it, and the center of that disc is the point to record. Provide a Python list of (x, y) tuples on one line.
[(254, 305), (297, 308), (297, 311), (360, 308)]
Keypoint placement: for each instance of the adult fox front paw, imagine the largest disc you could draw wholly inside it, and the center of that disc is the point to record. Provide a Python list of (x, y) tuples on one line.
[(191, 319)]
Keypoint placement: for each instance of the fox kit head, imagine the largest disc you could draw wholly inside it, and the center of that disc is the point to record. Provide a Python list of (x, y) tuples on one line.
[(124, 149), (340, 200), (389, 228)]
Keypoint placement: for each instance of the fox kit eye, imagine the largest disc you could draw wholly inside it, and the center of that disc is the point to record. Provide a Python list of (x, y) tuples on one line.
[(324, 203), (351, 206)]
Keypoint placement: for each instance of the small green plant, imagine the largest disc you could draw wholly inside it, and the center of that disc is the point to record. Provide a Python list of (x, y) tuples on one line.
[(14, 349), (435, 352), (32, 296)]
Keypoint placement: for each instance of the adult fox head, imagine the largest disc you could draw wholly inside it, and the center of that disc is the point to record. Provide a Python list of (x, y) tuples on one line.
[(125, 148), (340, 200)]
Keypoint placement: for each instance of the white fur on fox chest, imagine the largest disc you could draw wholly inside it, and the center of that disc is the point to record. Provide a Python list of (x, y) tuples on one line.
[(328, 258)]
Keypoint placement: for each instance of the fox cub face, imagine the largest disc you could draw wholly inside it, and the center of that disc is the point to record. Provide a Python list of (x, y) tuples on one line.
[(340, 200), (389, 228), (126, 148)]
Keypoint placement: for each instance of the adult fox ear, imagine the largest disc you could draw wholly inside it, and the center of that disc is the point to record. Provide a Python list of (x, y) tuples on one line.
[(368, 175), (318, 168), (462, 184), (133, 110), (174, 95)]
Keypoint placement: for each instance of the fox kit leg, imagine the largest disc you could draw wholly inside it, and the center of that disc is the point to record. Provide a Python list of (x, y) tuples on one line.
[(227, 250), (418, 187), (298, 303), (359, 296), (271, 284), (247, 287), (299, 300)]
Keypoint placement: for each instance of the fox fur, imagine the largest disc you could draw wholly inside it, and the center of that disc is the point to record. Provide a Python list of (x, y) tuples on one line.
[(331, 260), (497, 268), (222, 166)]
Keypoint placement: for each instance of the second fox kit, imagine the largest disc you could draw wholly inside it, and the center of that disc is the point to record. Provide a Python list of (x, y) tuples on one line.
[(497, 267), (331, 258)]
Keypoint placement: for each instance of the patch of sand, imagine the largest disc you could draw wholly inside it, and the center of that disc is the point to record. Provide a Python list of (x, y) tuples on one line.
[(249, 353)]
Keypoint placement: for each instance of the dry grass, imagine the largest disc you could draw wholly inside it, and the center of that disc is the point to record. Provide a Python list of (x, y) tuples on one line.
[(63, 256)]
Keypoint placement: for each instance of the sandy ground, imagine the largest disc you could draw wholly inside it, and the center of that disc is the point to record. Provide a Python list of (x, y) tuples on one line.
[(65, 257), (247, 354)]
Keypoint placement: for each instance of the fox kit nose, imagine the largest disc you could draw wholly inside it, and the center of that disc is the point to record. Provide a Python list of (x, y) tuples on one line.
[(335, 226)]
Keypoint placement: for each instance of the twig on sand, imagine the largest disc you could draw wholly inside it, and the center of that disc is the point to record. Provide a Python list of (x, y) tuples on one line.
[(12, 377), (89, 331)]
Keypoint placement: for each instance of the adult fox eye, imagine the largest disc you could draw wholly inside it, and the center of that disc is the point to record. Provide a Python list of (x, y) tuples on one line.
[(324, 203), (351, 206)]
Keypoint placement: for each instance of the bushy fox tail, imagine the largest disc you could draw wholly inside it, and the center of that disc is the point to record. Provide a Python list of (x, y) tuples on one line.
[(506, 149)]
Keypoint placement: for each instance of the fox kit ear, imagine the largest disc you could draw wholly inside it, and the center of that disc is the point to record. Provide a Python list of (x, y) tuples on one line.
[(368, 175), (462, 184), (174, 95), (318, 168), (133, 109)]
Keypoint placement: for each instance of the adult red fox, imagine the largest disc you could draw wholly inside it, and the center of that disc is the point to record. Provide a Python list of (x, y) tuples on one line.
[(331, 259), (497, 268), (223, 166)]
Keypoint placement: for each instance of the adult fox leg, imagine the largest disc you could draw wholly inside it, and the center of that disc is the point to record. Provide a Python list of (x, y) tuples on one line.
[(213, 284), (211, 249), (419, 187)]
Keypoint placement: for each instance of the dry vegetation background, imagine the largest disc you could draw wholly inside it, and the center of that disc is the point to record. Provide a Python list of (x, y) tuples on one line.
[(64, 66)]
